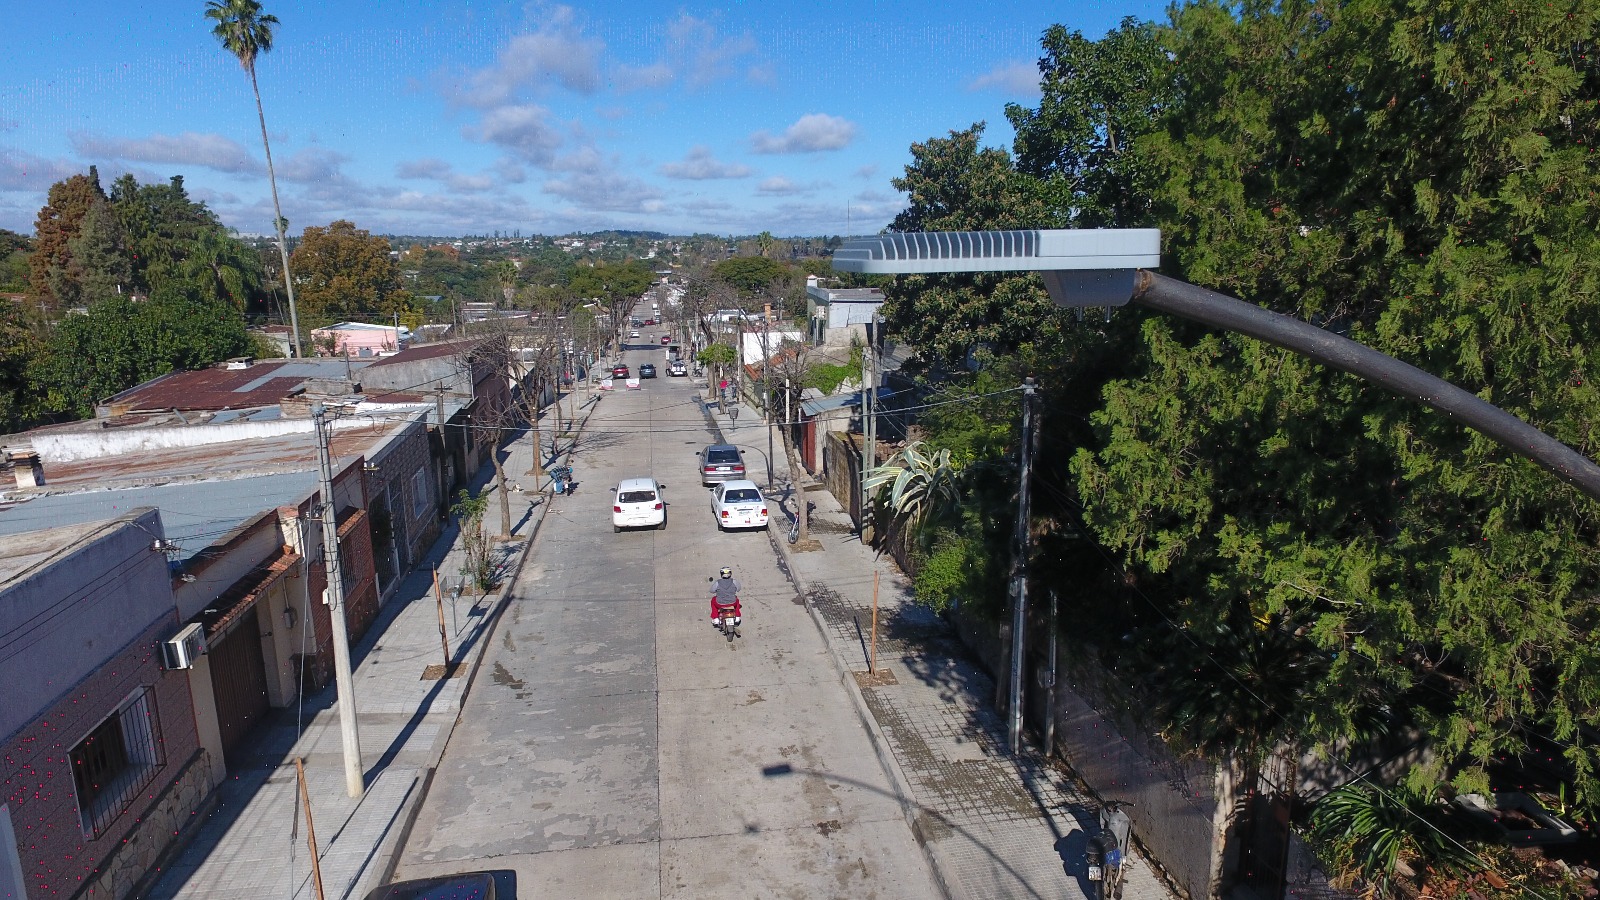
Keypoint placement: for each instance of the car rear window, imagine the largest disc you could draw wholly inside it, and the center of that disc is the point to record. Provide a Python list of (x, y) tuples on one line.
[(742, 495), (637, 496), (722, 456)]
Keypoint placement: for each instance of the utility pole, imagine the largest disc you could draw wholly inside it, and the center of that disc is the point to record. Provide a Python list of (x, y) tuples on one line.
[(334, 597), (869, 454), (1019, 562), (766, 387)]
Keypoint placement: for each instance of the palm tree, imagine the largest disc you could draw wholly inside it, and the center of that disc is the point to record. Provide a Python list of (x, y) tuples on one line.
[(245, 32)]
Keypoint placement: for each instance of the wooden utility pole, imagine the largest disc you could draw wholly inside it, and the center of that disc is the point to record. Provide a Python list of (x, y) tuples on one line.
[(444, 644), (311, 831), (872, 660), (334, 597)]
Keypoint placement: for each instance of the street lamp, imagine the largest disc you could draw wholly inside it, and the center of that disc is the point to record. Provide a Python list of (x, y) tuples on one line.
[(1112, 267)]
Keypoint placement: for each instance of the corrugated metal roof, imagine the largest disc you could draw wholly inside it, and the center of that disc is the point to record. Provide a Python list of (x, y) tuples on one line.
[(831, 403), (261, 384), (193, 513)]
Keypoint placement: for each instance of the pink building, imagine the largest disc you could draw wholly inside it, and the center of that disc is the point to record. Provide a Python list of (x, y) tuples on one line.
[(359, 339)]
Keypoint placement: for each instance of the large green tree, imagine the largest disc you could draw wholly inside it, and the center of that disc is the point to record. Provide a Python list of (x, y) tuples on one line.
[(15, 249), (120, 343), (345, 273), (1421, 179), (57, 223), (246, 32)]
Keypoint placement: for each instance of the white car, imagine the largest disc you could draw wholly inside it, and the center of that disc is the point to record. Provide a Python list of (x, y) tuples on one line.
[(638, 504), (633, 334), (738, 504)]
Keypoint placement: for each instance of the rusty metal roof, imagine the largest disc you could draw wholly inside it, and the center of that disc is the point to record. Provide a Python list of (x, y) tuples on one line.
[(259, 384)]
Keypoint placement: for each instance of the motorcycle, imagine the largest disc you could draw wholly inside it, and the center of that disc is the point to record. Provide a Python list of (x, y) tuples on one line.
[(1107, 853), (727, 618)]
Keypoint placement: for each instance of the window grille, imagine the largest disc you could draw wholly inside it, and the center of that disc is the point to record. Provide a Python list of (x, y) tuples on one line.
[(116, 761)]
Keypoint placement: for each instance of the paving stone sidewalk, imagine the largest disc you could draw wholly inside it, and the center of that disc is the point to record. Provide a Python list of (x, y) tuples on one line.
[(253, 844), (992, 824)]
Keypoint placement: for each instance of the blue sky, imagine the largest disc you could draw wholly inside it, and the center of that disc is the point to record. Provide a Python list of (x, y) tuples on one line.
[(469, 117)]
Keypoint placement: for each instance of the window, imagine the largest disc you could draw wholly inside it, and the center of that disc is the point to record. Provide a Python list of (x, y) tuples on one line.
[(116, 761), (419, 494), (741, 495), (637, 496)]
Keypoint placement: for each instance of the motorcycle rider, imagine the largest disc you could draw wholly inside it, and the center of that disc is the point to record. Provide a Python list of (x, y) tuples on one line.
[(725, 593)]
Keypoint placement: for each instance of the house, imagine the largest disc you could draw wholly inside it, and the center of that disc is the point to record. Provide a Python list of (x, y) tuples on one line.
[(840, 316), (103, 762), (360, 339)]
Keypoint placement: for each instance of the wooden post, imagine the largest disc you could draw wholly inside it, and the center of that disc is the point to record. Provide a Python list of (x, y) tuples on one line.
[(311, 831), (443, 643), (872, 663)]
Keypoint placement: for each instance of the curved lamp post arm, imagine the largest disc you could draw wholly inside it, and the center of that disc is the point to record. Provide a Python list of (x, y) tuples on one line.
[(1177, 298)]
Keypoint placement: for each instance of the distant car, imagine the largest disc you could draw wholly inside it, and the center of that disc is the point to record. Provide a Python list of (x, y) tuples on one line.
[(633, 334), (649, 321), (677, 368), (638, 504), (720, 462), (666, 339), (619, 371), (738, 504), (647, 371)]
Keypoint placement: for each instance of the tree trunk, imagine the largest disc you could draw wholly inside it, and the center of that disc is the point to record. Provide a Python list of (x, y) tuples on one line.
[(277, 220), (500, 480), (790, 451)]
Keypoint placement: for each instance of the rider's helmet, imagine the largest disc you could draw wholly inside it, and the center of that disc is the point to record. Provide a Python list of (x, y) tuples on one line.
[(725, 573)]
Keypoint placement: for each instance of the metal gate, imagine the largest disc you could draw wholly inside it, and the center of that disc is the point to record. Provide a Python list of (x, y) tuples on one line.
[(239, 681), (1264, 826)]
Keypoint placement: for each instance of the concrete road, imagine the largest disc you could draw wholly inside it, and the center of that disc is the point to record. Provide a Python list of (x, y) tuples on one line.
[(615, 745)]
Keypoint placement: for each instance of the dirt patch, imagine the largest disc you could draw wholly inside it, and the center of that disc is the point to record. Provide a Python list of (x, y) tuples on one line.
[(828, 827), (436, 672), (880, 678)]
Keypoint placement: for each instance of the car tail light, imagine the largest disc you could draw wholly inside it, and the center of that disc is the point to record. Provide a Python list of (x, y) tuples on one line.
[(763, 510), (724, 514), (658, 506), (616, 509), (738, 468)]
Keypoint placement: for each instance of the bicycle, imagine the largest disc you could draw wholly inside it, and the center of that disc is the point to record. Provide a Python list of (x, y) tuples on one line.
[(794, 522)]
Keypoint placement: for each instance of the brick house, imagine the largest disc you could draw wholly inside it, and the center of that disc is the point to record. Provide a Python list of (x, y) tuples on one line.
[(102, 760)]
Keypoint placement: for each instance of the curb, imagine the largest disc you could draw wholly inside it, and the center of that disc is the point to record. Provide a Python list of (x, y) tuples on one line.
[(389, 859), (880, 743)]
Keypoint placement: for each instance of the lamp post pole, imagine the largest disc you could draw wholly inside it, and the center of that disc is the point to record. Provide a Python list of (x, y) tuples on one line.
[(1019, 564)]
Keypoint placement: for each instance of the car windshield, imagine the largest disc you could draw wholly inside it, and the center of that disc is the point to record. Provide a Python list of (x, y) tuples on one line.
[(636, 496), (722, 456), (741, 495)]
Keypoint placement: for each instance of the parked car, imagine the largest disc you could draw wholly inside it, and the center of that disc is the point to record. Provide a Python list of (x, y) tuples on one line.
[(721, 462), (619, 371), (677, 368), (738, 504), (638, 504), (647, 371)]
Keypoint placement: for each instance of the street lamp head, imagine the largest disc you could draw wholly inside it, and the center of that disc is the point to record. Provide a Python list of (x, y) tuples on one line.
[(1080, 266)]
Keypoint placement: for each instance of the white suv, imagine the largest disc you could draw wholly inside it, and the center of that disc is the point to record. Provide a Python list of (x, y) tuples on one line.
[(638, 504)]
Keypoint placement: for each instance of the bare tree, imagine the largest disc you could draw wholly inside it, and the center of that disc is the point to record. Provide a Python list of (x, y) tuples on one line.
[(785, 373)]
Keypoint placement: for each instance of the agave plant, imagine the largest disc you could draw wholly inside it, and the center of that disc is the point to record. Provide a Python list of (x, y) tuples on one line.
[(921, 486), (1379, 827)]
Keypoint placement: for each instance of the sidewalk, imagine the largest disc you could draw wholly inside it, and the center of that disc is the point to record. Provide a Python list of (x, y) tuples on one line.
[(992, 824), (253, 843)]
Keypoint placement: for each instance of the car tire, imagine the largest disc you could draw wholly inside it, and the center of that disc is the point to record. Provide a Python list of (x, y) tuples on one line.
[(616, 529), (662, 526)]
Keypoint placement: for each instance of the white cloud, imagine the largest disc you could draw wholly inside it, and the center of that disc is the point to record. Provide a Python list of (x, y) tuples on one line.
[(522, 129), (779, 186), (428, 167), (633, 78), (867, 171), (592, 182), (313, 165), (22, 171), (212, 151), (703, 56), (811, 133), (1019, 78), (557, 53), (700, 165)]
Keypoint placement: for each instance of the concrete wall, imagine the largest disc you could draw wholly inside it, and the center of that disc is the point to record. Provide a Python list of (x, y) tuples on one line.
[(173, 810), (81, 608), (224, 562), (1180, 810), (412, 503)]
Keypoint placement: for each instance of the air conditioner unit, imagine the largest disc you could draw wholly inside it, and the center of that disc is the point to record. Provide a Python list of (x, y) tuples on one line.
[(182, 649)]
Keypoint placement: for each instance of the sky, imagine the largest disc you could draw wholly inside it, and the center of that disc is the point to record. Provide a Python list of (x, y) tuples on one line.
[(459, 117)]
